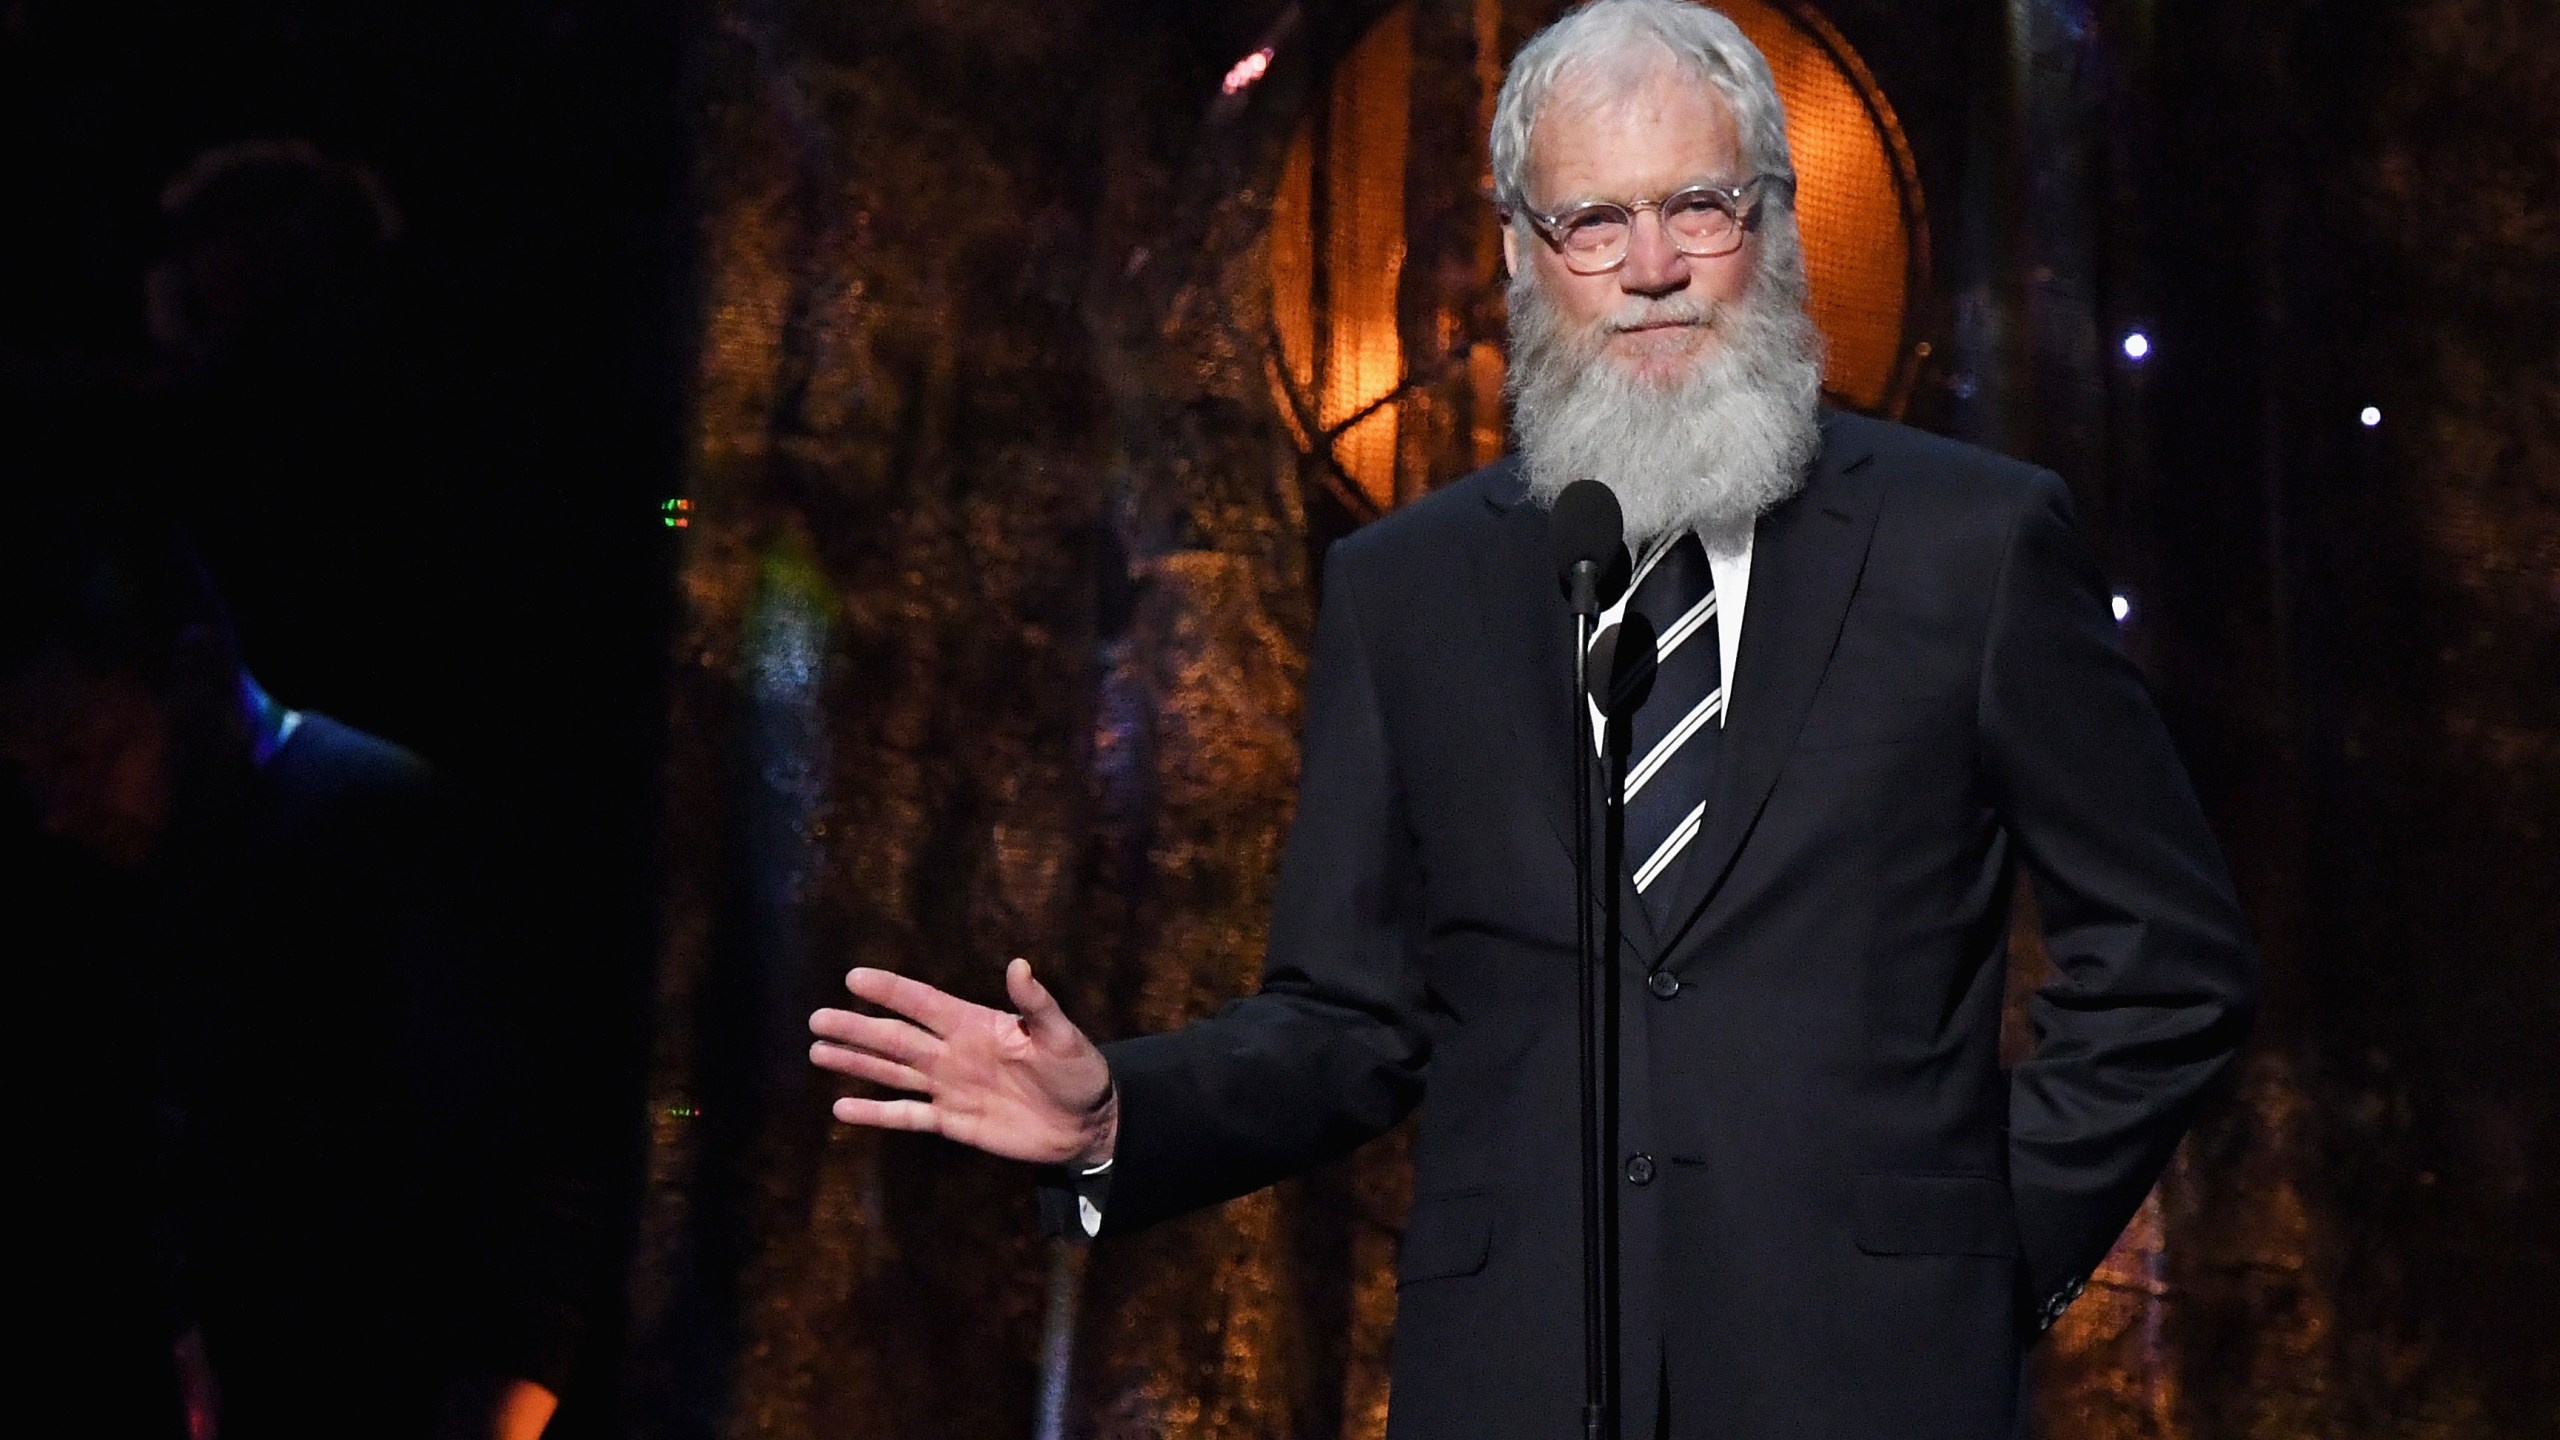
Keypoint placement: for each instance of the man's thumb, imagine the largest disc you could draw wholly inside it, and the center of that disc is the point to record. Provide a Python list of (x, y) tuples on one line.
[(1040, 1013)]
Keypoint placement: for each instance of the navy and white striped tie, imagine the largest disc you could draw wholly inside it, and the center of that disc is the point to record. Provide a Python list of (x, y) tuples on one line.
[(1671, 759)]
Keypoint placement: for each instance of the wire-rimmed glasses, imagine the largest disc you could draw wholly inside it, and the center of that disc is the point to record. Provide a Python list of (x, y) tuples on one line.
[(1704, 221)]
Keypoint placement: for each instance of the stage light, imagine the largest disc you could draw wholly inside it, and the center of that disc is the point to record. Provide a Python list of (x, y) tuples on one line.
[(2371, 417), (2136, 345), (2123, 606), (1245, 71), (676, 514)]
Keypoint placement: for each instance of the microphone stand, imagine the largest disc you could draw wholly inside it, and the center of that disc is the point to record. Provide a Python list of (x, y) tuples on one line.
[(1604, 978), (1626, 654), (1599, 1278)]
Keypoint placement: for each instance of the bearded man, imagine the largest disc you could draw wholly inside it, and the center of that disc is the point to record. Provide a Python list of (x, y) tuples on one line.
[(1889, 679)]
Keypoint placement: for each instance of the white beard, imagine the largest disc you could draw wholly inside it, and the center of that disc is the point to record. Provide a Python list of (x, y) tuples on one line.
[(1711, 452)]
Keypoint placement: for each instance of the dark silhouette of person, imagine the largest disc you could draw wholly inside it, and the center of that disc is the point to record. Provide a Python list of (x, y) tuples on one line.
[(285, 960), (297, 391)]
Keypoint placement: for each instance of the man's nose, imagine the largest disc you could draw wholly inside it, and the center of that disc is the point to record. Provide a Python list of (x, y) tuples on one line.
[(1654, 265)]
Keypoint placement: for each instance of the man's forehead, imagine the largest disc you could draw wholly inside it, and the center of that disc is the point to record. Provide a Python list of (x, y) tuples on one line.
[(1654, 129)]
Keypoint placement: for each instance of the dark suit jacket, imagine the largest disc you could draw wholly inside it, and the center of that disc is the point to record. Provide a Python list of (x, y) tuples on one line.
[(1850, 1211)]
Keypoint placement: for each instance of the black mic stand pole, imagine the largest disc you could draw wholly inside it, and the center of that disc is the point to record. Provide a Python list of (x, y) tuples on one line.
[(1598, 1359), (1604, 978), (1626, 656)]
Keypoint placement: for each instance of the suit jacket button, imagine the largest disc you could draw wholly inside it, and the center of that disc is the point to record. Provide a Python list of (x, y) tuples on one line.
[(1663, 984), (1639, 1169)]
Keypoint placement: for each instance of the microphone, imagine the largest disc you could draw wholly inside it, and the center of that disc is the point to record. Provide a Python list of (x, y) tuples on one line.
[(1624, 660), (1587, 537)]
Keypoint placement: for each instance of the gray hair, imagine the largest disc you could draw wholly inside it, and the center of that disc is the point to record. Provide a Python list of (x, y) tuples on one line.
[(1624, 39)]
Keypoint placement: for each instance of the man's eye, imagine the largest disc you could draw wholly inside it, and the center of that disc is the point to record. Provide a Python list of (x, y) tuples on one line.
[(1590, 222), (1691, 206)]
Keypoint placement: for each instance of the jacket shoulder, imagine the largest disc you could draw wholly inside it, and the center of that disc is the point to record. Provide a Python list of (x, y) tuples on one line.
[(1912, 457), (1961, 501), (1436, 527), (331, 783), (326, 756)]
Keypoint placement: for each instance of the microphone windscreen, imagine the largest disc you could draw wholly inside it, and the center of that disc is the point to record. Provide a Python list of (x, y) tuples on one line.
[(1624, 658), (1587, 525)]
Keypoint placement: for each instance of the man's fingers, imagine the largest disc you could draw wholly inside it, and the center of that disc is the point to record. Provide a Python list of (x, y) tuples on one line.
[(831, 1023), (914, 999), (894, 1039), (863, 1065), (888, 1114)]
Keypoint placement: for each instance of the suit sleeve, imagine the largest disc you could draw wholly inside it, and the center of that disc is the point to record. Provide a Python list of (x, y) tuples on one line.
[(2154, 979), (1331, 1051)]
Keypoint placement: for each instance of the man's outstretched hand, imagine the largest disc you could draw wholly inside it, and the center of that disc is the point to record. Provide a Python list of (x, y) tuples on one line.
[(1026, 1087)]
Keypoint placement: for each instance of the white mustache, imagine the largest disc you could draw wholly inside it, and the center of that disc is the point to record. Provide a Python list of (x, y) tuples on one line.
[(1668, 310)]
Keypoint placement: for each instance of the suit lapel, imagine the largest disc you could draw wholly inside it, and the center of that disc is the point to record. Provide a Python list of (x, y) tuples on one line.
[(1806, 556), (1529, 635)]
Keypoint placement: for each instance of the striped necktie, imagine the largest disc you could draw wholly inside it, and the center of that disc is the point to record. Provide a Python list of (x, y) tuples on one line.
[(1671, 758)]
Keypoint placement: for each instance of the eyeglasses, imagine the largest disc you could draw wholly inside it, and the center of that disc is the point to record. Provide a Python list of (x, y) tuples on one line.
[(1703, 221)]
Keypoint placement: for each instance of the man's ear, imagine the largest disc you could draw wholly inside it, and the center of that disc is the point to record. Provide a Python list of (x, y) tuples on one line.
[(1510, 249)]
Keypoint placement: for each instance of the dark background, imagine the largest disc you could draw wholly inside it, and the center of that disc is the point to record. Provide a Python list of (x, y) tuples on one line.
[(445, 530), (1016, 490)]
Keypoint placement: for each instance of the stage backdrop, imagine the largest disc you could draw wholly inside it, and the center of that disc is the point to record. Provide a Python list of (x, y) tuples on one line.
[(1046, 343)]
